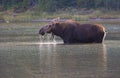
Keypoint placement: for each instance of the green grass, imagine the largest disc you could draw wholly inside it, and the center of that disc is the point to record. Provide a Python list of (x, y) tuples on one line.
[(73, 14)]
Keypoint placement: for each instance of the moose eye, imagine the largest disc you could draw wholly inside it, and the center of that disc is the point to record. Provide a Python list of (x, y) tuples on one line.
[(50, 25)]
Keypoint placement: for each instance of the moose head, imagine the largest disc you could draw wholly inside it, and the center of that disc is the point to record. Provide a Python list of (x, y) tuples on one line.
[(49, 27)]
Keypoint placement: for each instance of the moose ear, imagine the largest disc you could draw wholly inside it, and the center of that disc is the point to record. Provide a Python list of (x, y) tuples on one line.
[(55, 19)]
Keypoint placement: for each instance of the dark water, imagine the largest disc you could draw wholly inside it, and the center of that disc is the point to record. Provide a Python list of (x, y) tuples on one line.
[(25, 56)]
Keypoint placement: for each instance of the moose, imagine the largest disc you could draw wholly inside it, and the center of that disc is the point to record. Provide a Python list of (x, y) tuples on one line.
[(71, 31)]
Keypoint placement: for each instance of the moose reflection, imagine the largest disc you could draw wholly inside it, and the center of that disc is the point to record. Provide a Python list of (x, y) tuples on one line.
[(73, 61)]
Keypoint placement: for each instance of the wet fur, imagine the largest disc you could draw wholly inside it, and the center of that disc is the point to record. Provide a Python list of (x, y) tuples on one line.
[(74, 32)]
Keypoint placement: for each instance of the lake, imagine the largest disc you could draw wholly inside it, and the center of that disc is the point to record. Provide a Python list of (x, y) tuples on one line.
[(23, 54)]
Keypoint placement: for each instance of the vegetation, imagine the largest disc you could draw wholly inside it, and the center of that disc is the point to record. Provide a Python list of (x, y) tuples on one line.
[(25, 10), (54, 5)]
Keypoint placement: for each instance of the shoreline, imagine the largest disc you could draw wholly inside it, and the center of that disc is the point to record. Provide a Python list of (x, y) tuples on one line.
[(114, 20)]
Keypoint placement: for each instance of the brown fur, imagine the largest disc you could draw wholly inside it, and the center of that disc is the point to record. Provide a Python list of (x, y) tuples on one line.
[(73, 32)]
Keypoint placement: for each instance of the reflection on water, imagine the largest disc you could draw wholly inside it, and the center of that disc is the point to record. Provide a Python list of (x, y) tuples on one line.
[(37, 60), (71, 61), (23, 55)]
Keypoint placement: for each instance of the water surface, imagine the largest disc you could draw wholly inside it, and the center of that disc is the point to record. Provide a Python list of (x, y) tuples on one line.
[(36, 60), (23, 54)]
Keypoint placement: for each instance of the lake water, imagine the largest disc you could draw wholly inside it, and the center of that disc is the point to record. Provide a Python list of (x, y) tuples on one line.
[(24, 55)]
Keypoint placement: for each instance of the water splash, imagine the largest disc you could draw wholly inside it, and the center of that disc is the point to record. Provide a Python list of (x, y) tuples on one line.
[(48, 39)]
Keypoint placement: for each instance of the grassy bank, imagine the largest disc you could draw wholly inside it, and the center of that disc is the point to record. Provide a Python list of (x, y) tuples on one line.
[(9, 16)]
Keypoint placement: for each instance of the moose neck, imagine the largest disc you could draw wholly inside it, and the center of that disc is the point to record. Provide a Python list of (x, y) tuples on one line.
[(58, 32)]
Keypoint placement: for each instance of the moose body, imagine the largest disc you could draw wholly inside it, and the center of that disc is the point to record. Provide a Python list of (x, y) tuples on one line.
[(74, 32)]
